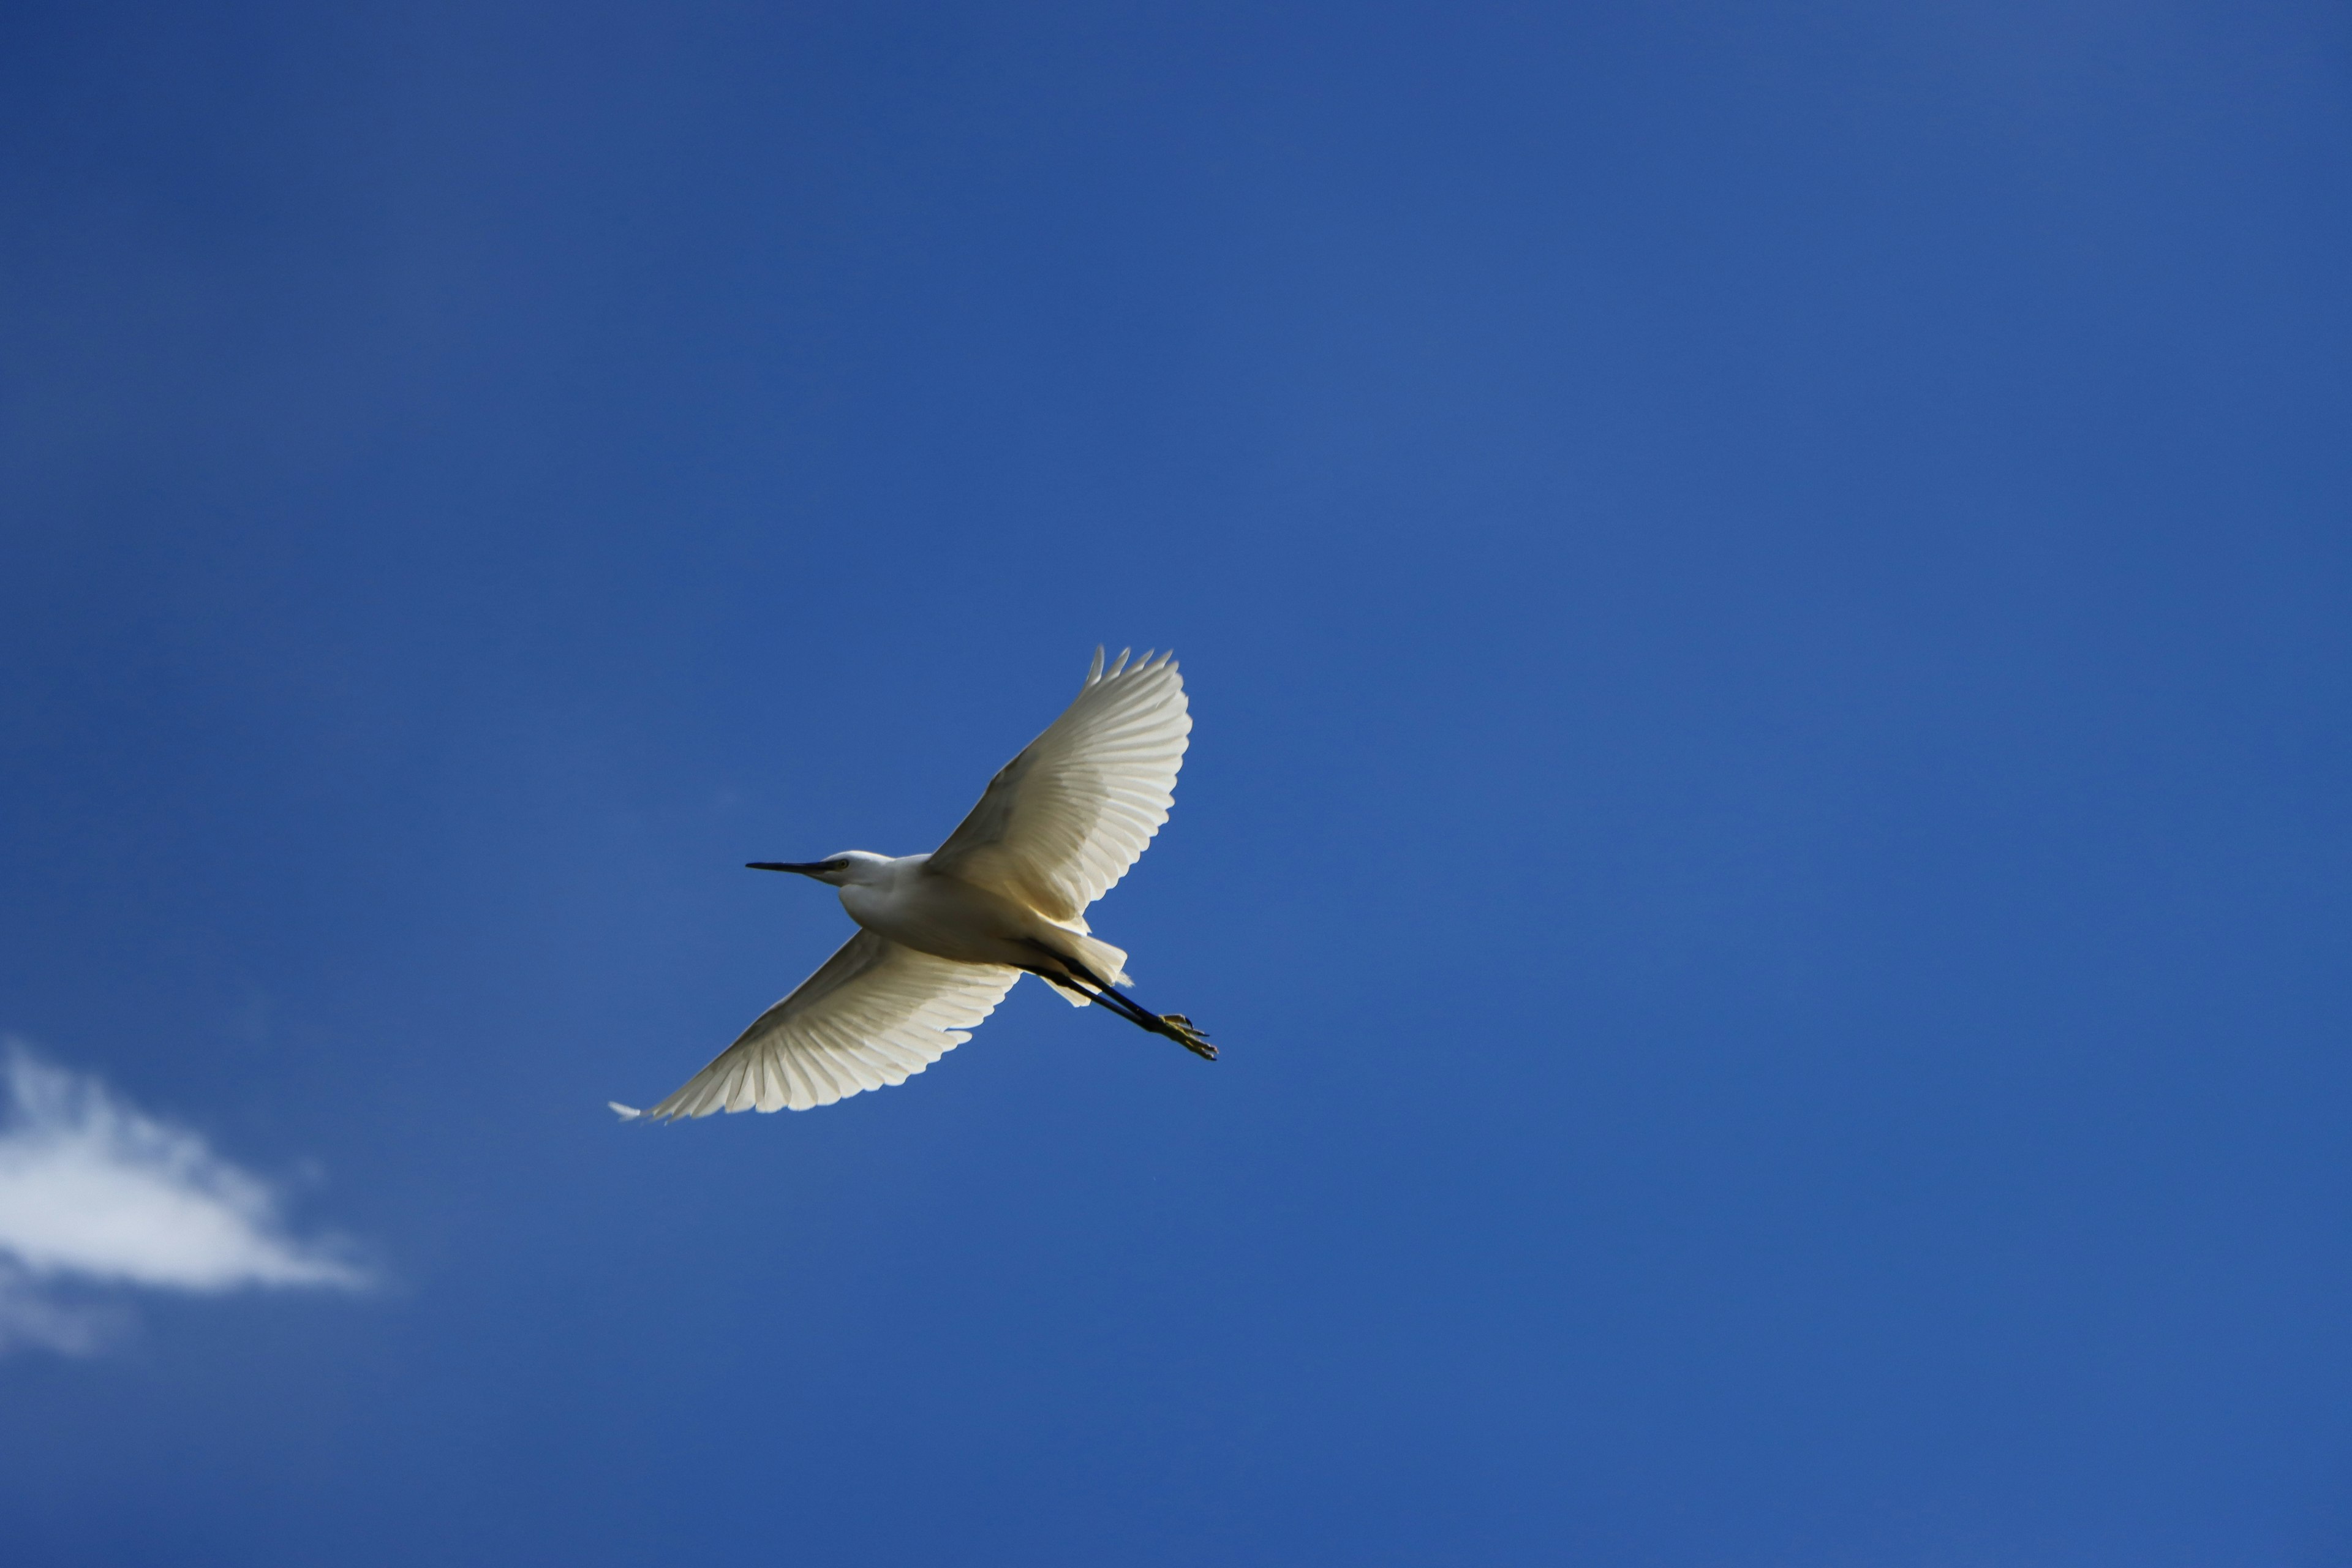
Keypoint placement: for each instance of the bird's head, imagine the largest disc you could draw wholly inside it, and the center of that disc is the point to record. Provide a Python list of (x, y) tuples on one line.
[(837, 870)]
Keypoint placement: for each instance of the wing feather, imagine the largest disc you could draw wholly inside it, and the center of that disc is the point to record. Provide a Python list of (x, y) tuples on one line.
[(1063, 821), (874, 1014)]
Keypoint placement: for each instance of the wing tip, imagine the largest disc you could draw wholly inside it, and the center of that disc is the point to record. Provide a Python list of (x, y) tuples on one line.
[(625, 1112), (1153, 661)]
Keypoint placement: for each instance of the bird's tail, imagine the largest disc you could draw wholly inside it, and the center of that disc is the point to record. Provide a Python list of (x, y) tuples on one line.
[(1100, 958)]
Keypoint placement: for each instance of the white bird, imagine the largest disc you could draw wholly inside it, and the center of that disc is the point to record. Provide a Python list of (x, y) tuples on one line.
[(943, 936)]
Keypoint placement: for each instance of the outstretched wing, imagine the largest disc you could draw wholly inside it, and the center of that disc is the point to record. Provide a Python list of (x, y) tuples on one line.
[(1062, 822), (875, 1013)]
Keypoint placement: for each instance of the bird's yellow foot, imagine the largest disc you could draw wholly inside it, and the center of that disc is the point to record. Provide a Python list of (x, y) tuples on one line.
[(1181, 1030)]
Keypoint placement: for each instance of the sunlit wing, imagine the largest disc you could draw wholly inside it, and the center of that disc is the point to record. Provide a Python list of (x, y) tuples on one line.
[(876, 1014), (1062, 822)]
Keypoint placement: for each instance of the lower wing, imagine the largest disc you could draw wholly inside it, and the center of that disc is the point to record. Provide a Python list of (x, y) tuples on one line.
[(876, 1014)]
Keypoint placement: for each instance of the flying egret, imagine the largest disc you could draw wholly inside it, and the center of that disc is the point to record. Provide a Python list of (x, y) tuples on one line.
[(943, 936)]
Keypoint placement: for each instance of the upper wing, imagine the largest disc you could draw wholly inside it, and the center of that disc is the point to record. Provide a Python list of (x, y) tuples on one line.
[(874, 1013), (1062, 822)]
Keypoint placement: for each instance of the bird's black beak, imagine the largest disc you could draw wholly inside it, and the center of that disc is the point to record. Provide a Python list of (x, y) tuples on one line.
[(805, 867)]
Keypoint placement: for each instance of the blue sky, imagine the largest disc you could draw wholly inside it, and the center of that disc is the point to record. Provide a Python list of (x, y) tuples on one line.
[(1769, 607)]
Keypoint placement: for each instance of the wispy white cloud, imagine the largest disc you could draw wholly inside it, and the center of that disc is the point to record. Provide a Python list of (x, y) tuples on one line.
[(96, 1195)]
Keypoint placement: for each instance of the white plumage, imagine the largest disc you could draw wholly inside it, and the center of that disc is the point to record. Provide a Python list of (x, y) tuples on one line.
[(1062, 823), (945, 935)]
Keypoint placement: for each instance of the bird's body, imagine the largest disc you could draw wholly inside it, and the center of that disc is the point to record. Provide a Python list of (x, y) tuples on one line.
[(943, 916), (904, 899), (943, 936)]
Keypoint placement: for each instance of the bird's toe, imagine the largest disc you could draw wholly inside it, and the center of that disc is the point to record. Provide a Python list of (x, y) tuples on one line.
[(1181, 1029)]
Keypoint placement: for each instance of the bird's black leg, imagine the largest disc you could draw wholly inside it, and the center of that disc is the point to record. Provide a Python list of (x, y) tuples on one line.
[(1078, 976)]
